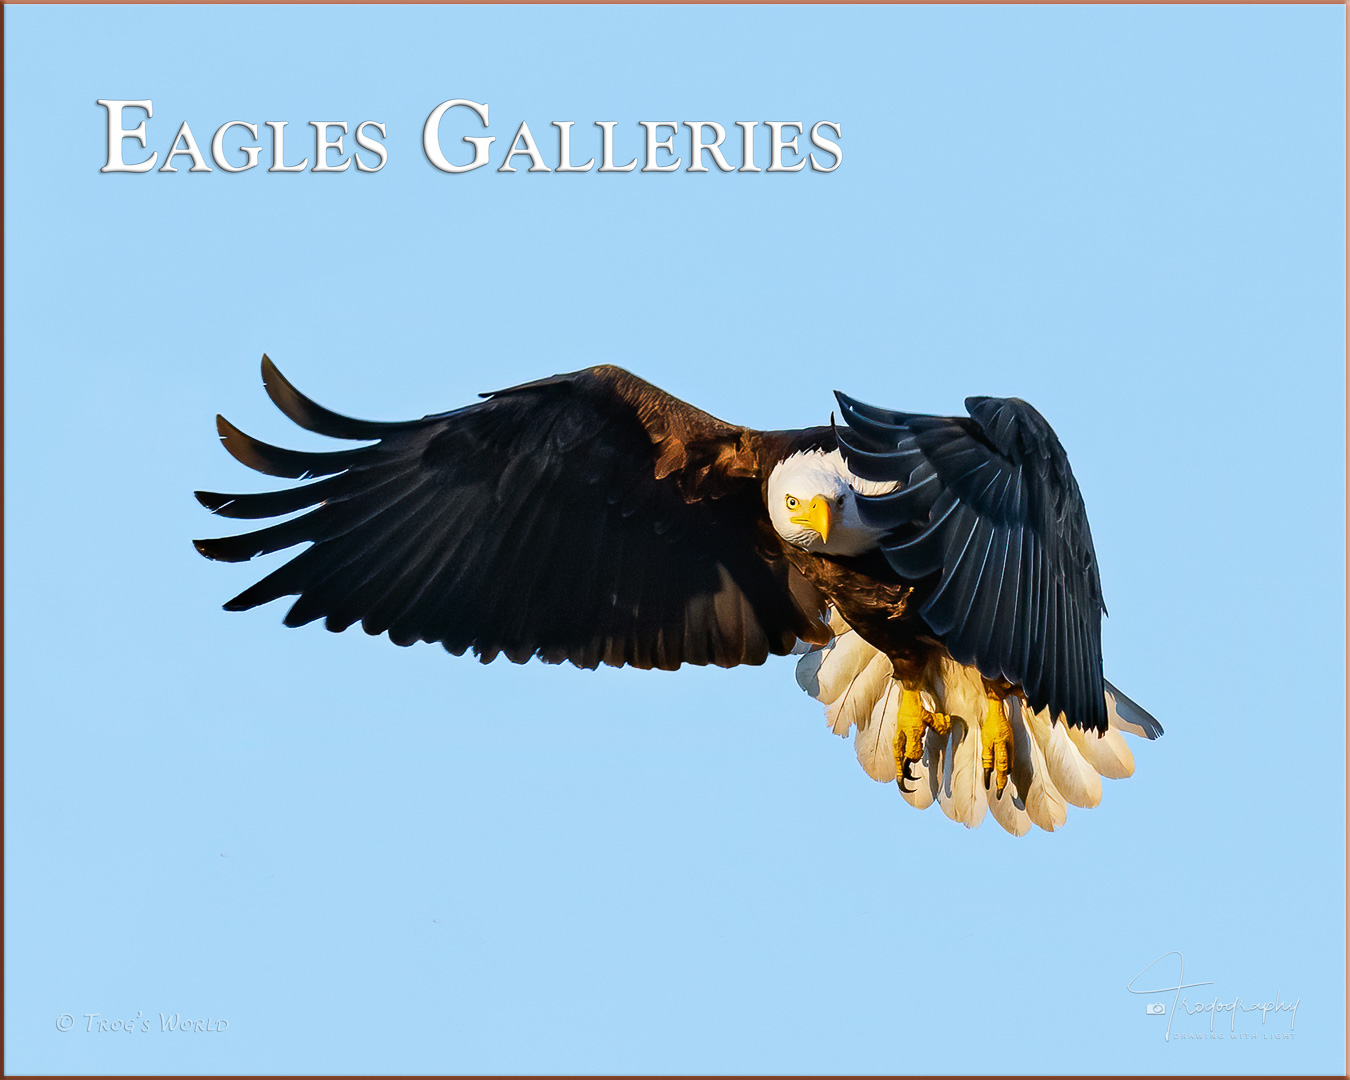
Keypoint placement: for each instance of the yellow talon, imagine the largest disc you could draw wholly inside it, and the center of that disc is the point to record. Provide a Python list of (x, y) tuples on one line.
[(911, 721), (996, 744)]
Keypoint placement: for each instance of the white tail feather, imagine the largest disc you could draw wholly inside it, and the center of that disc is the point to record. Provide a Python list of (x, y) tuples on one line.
[(847, 675), (961, 793), (1046, 807), (846, 657), (1078, 781), (1009, 811), (873, 742), (1109, 754), (855, 705)]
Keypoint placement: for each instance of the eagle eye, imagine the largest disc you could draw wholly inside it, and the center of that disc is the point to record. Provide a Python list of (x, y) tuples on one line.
[(792, 502)]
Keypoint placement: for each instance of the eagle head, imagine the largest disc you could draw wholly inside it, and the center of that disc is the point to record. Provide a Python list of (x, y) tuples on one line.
[(813, 504)]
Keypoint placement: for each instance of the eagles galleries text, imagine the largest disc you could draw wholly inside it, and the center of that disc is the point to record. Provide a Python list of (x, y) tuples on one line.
[(664, 146)]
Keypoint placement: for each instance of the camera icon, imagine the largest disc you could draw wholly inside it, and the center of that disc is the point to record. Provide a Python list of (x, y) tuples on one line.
[(1155, 1008)]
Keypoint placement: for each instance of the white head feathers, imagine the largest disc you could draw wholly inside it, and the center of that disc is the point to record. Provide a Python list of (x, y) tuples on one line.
[(813, 504)]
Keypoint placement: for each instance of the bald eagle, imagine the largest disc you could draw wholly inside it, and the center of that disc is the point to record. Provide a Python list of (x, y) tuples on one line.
[(936, 575)]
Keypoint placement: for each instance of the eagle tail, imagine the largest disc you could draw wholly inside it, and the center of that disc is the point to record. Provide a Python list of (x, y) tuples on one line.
[(1053, 765)]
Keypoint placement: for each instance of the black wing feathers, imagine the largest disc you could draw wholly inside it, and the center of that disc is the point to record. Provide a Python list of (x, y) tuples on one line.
[(990, 512), (314, 417), (529, 524)]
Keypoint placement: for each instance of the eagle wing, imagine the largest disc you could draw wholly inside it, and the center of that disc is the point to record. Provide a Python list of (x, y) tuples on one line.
[(989, 511), (587, 517)]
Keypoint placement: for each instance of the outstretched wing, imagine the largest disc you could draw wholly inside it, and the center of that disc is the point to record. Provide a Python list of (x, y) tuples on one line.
[(588, 517), (990, 510)]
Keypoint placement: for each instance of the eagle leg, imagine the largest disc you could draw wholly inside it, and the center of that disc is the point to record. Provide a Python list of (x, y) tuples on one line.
[(911, 721), (996, 743)]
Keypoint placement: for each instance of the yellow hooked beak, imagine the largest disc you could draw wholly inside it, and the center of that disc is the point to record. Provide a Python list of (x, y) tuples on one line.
[(819, 516)]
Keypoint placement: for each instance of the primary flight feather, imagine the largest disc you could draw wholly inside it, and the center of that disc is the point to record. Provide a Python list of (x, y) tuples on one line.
[(940, 570)]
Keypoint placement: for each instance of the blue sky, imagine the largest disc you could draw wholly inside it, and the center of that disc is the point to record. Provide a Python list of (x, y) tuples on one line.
[(364, 858)]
